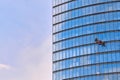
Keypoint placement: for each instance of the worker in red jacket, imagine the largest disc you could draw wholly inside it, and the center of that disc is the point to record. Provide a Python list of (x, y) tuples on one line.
[(99, 42)]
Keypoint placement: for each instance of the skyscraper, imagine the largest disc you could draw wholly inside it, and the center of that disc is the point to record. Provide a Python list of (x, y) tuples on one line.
[(86, 39)]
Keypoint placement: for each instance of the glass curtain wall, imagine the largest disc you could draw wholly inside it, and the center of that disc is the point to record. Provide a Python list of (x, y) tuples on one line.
[(76, 25)]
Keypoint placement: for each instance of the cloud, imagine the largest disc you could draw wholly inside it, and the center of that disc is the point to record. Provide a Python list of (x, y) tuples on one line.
[(24, 35), (36, 61), (4, 67)]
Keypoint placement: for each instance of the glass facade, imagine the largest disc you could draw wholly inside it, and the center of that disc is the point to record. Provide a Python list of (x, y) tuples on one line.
[(76, 24)]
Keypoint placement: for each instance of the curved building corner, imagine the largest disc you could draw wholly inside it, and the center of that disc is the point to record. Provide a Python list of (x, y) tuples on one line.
[(86, 40)]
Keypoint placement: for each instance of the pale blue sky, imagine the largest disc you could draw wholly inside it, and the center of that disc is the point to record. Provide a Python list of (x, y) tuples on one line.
[(25, 39)]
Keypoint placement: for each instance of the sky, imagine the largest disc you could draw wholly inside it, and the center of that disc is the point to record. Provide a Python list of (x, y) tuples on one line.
[(25, 40)]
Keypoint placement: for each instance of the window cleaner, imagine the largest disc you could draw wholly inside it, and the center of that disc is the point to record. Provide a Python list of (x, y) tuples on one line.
[(99, 42)]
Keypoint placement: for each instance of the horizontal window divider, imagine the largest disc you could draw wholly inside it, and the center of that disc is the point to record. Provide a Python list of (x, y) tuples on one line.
[(86, 6), (85, 26), (83, 46), (105, 52), (87, 65), (87, 16), (92, 75), (85, 35), (63, 3)]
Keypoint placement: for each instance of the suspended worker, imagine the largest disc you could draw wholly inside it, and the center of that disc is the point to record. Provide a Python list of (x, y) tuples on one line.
[(99, 42)]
